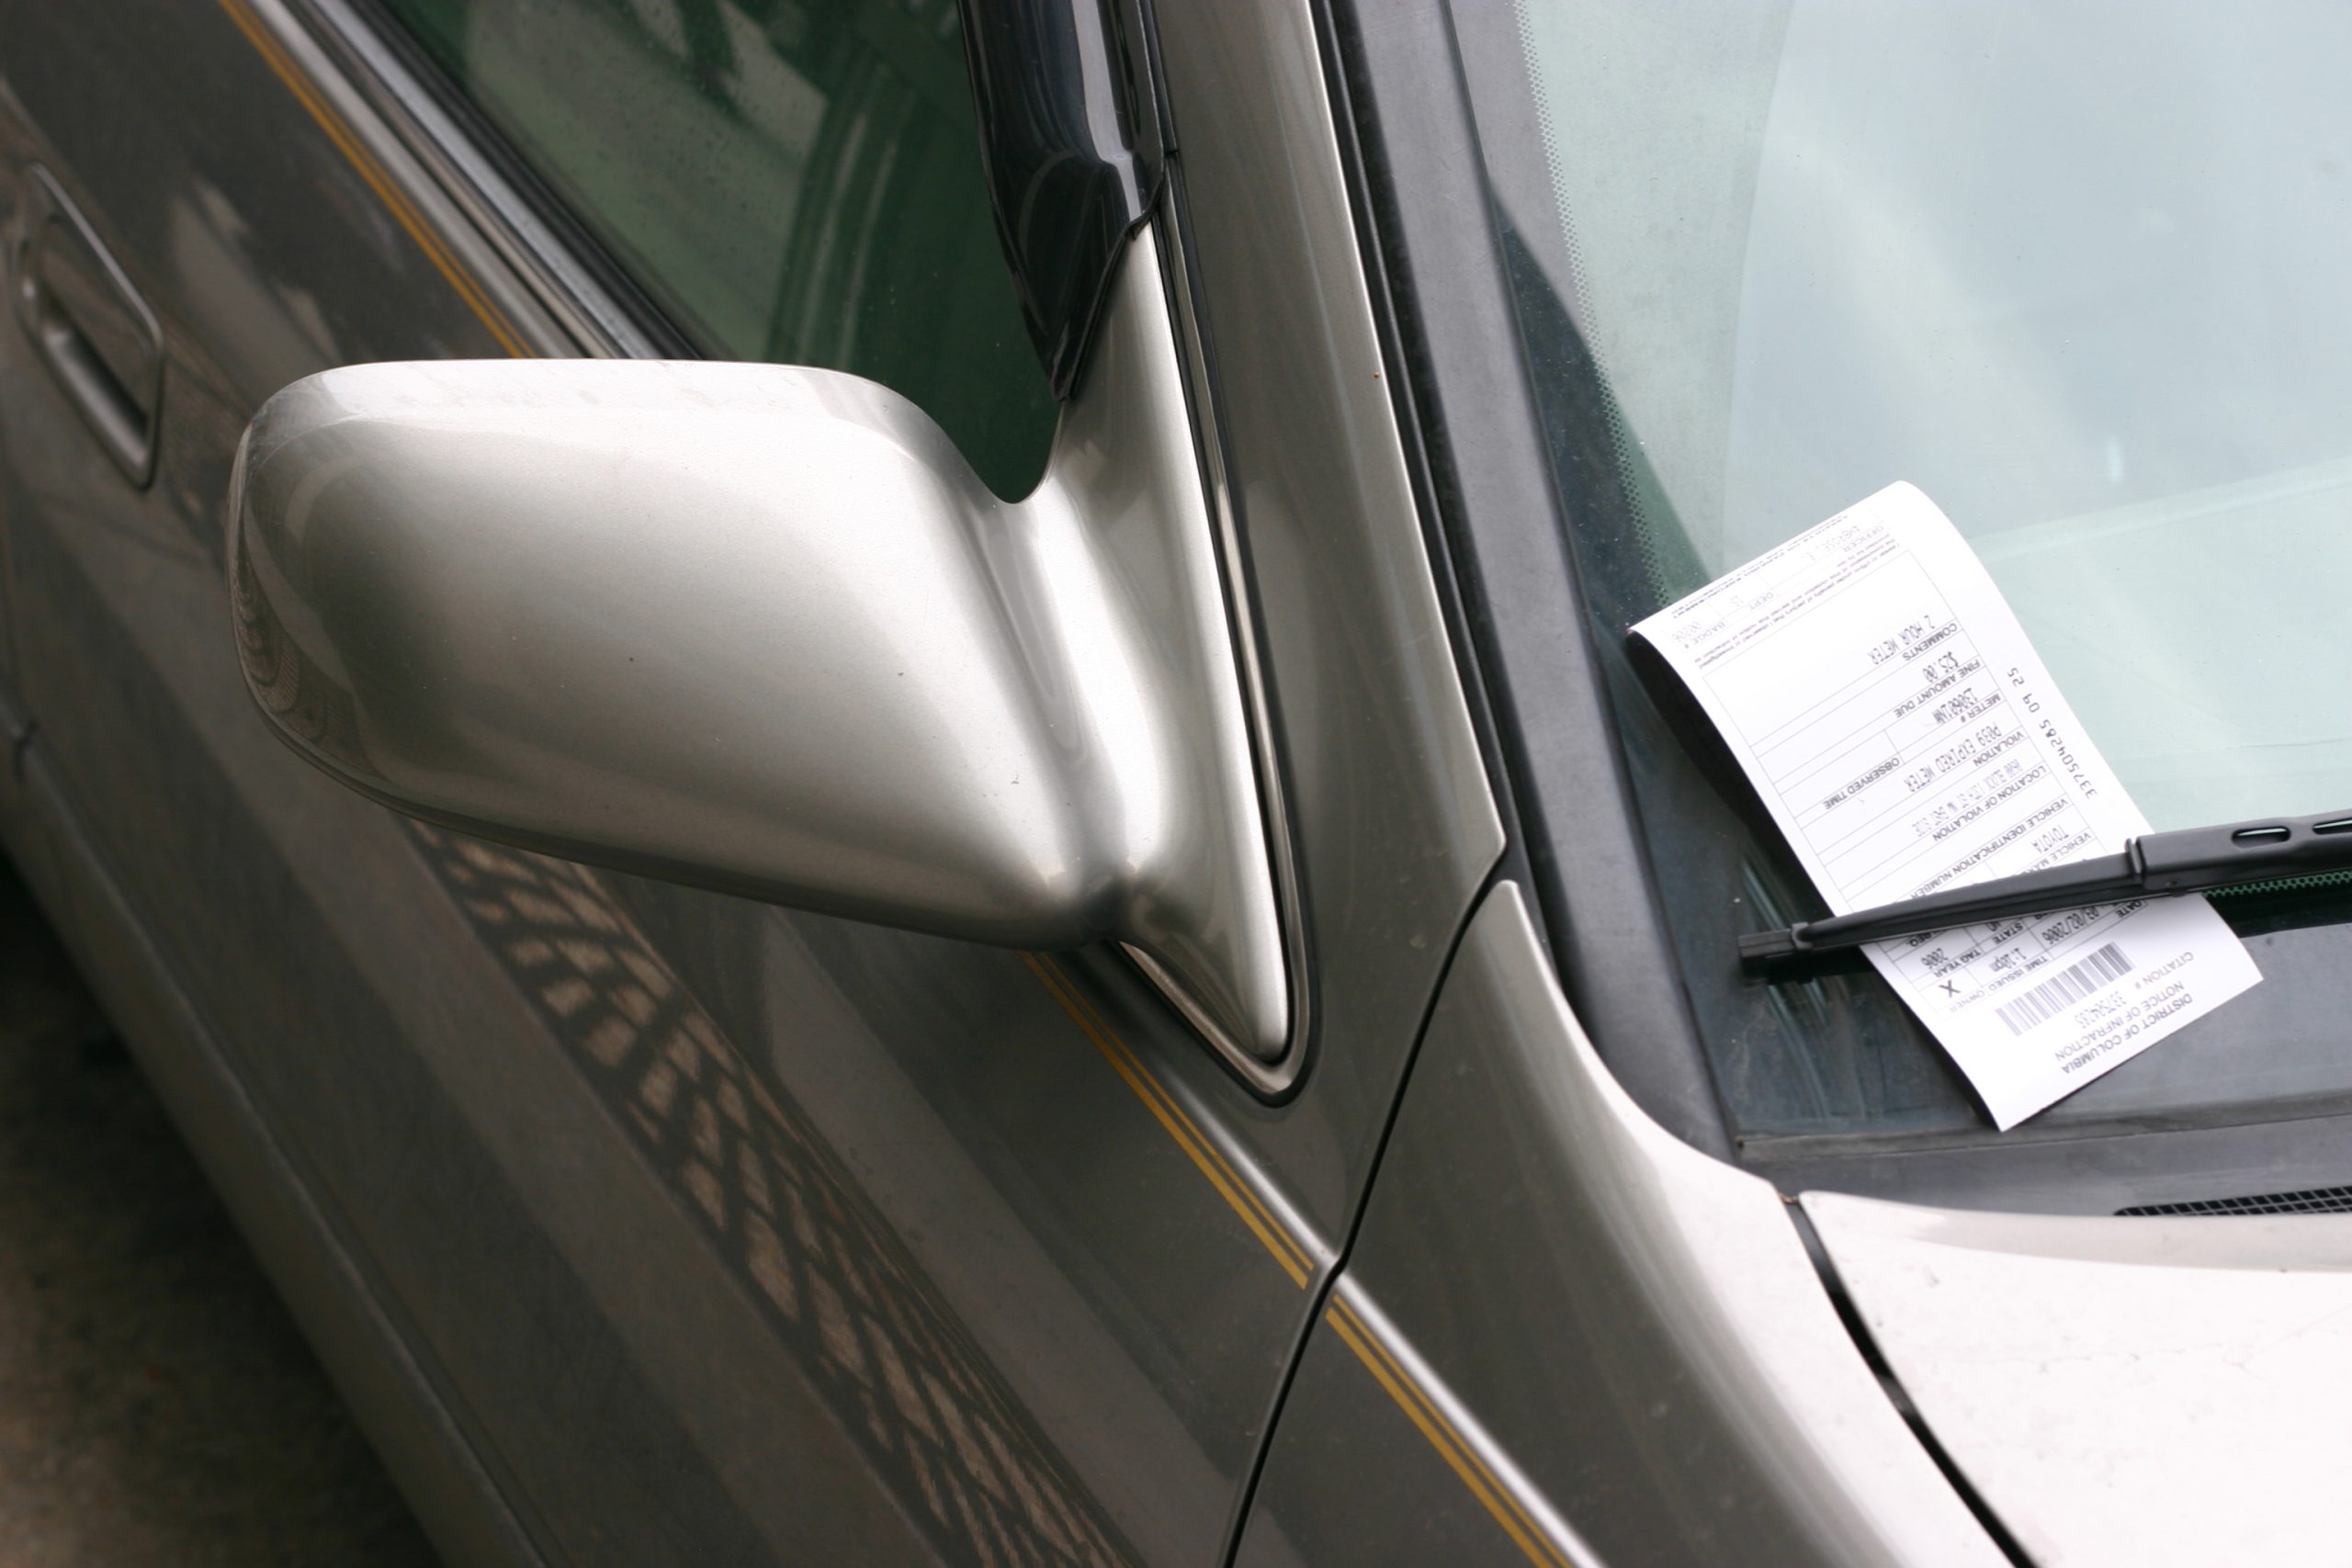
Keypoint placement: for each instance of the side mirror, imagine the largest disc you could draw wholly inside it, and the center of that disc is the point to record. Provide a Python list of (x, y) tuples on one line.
[(762, 630)]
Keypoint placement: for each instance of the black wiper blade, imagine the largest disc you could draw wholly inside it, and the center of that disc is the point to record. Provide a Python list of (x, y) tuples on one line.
[(2189, 859)]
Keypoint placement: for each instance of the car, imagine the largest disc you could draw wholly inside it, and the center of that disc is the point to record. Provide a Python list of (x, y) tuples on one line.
[(869, 772)]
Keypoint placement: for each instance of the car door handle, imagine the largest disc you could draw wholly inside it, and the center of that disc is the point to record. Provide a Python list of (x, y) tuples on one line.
[(90, 328)]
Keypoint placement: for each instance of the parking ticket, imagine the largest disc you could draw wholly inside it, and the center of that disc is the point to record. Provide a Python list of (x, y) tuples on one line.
[(1885, 702)]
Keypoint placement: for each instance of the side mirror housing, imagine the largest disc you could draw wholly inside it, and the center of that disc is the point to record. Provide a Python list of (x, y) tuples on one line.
[(761, 629)]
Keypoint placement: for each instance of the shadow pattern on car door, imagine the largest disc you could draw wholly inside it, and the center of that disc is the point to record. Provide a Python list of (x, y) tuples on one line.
[(769, 1197)]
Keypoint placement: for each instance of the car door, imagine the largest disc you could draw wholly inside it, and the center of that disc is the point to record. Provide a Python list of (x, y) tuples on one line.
[(687, 1229)]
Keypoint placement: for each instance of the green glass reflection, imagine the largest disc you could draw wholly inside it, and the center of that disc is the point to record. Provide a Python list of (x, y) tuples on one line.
[(797, 181)]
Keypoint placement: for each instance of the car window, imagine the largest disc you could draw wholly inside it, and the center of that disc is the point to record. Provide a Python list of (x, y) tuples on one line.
[(797, 181), (2075, 271)]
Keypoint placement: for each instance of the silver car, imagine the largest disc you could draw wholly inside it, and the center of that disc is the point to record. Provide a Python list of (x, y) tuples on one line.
[(868, 771)]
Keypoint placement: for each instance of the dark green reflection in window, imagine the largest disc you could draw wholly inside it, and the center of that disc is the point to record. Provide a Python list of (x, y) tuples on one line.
[(792, 180)]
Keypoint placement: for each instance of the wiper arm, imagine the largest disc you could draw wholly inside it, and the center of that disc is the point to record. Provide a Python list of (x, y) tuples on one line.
[(2190, 860)]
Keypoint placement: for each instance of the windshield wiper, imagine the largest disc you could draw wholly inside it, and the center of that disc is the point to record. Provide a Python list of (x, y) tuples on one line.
[(2190, 860)]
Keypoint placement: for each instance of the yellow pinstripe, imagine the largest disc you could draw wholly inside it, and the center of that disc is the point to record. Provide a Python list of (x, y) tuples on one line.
[(388, 191)]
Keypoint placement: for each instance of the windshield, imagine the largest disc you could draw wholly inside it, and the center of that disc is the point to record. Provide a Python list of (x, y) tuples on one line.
[(2079, 273)]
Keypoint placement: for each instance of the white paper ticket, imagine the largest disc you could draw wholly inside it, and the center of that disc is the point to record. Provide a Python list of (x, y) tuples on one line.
[(1887, 705)]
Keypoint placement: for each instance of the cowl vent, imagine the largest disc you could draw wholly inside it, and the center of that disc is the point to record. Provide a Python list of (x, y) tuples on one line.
[(2318, 1201)]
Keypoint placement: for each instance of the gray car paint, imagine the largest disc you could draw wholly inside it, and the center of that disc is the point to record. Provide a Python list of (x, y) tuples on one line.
[(1614, 1343), (486, 1084), (1392, 813)]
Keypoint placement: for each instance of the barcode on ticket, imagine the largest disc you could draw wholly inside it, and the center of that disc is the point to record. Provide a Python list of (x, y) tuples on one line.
[(2097, 972)]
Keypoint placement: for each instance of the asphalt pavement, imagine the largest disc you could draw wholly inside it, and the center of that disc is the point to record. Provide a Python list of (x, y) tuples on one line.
[(157, 1405)]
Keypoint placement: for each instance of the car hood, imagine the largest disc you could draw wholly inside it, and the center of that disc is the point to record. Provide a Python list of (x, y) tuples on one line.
[(2140, 1391)]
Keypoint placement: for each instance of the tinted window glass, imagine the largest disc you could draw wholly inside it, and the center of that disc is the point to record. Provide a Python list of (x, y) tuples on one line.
[(792, 180)]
